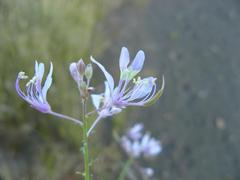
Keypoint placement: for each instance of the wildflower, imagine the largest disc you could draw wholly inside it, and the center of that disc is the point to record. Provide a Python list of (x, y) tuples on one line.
[(141, 93), (36, 95), (144, 145)]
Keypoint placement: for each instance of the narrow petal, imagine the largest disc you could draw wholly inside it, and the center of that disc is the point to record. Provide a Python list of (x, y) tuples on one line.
[(115, 110), (36, 66), (18, 89), (107, 75), (157, 95), (47, 83), (143, 88), (138, 61), (107, 90), (96, 99), (124, 59), (40, 72)]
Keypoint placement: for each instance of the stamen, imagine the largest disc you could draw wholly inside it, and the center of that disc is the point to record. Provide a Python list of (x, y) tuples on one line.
[(21, 75)]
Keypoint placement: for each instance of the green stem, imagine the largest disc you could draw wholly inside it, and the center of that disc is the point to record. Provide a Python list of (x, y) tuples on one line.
[(125, 169), (85, 143)]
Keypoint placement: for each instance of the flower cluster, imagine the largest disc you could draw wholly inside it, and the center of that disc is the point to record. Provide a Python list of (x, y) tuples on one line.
[(128, 92), (135, 143), (82, 75)]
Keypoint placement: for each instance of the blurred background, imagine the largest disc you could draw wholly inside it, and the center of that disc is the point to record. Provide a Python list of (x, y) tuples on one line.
[(195, 44)]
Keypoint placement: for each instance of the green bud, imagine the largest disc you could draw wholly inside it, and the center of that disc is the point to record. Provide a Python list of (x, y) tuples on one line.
[(89, 71), (83, 90), (83, 86)]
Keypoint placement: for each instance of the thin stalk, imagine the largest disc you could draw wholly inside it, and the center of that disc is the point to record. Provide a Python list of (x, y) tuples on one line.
[(93, 125), (76, 121), (85, 142), (125, 169)]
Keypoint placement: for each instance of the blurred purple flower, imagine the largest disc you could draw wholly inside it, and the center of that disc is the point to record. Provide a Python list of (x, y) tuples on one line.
[(36, 95), (150, 146), (135, 132), (144, 145), (148, 172)]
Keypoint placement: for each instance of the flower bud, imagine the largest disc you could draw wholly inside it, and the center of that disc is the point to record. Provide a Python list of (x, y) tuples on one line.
[(89, 71), (74, 72), (81, 67)]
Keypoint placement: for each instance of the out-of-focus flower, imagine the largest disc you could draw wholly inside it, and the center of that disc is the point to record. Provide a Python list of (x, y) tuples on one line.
[(135, 132), (150, 146), (148, 172), (142, 92), (144, 145), (36, 95)]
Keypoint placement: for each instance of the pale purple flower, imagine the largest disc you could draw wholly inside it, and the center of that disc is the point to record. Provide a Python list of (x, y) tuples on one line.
[(132, 148), (129, 91), (135, 132), (148, 172), (144, 145), (140, 93), (150, 146), (36, 94)]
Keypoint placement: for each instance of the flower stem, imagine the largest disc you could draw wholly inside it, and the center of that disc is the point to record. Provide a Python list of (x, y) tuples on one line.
[(85, 142), (125, 169), (76, 121)]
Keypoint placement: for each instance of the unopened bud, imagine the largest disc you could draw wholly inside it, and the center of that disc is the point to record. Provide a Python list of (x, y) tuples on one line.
[(83, 85), (89, 71), (74, 72), (81, 67)]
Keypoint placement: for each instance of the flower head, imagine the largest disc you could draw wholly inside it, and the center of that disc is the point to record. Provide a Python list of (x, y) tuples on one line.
[(144, 144), (36, 95), (142, 91)]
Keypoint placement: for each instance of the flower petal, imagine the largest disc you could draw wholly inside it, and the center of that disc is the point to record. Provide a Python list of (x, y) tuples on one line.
[(96, 99), (138, 61), (40, 71), (107, 75), (48, 82), (17, 86), (157, 95), (142, 88), (124, 59)]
